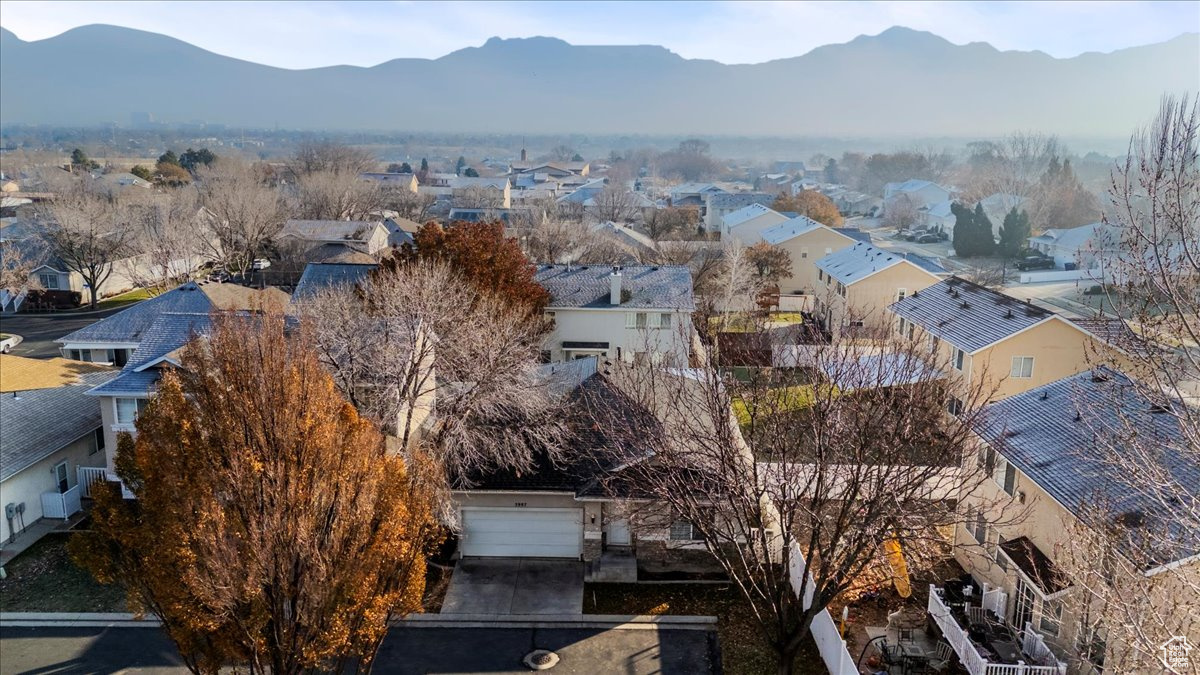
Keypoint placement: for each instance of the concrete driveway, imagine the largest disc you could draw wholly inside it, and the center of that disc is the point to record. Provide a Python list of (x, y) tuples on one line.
[(515, 586)]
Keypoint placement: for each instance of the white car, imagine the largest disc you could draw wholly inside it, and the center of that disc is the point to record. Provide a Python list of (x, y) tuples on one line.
[(9, 342)]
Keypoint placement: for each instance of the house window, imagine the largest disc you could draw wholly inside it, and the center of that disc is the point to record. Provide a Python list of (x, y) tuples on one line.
[(902, 324), (804, 253), (1051, 621), (1022, 367), (900, 293), (636, 320), (934, 341), (954, 406), (97, 441), (959, 357), (820, 275), (987, 458), (912, 328), (1010, 479), (828, 251), (128, 409), (977, 525), (682, 530), (664, 320), (49, 281), (1001, 559)]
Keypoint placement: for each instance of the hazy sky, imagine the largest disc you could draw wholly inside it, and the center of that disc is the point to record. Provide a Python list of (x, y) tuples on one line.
[(309, 34)]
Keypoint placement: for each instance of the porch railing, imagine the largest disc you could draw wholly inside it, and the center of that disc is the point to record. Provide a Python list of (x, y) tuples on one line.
[(1032, 645), (61, 504), (89, 476)]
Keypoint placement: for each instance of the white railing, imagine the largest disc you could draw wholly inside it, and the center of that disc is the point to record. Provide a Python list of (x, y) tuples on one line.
[(976, 664), (89, 476), (61, 504), (824, 631), (995, 600)]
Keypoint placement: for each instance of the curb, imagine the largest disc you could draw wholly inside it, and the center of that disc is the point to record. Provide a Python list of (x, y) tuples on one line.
[(606, 621), (76, 620)]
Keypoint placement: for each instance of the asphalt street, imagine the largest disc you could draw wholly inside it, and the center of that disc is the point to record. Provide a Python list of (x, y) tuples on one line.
[(40, 330), (406, 650)]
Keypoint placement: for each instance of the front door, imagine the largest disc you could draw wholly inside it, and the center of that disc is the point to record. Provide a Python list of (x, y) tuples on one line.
[(618, 532), (1023, 610), (60, 476)]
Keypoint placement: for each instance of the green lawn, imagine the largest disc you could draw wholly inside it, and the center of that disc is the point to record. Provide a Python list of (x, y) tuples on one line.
[(744, 650), (789, 398), (127, 298), (43, 579)]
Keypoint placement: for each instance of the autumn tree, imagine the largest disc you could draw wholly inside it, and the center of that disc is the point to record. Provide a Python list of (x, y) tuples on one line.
[(1062, 201), (812, 204), (271, 527), (771, 264), (484, 256), (171, 174), (82, 226)]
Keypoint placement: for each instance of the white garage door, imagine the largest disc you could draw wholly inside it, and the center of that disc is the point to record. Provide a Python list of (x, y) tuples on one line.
[(522, 533)]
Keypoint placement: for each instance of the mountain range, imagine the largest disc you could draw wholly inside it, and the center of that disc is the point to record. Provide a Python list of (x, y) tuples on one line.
[(900, 83)]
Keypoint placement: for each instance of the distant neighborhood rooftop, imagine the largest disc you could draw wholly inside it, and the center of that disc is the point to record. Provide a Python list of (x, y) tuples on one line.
[(319, 276), (330, 230), (588, 286), (857, 262)]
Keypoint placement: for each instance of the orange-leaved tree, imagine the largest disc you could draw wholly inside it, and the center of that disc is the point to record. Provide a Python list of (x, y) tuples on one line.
[(272, 528), (812, 204), (483, 256)]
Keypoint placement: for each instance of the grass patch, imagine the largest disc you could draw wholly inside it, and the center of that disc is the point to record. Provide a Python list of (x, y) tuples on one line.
[(785, 318), (744, 650), (782, 399), (43, 579), (127, 298)]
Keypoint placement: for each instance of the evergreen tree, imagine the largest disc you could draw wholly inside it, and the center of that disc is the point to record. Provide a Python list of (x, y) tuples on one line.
[(983, 240), (964, 221), (470, 172), (405, 167), (458, 166), (424, 165), (1014, 233), (169, 157), (831, 171)]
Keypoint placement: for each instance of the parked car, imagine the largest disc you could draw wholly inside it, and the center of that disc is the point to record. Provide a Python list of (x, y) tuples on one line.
[(1035, 262), (929, 238), (7, 342)]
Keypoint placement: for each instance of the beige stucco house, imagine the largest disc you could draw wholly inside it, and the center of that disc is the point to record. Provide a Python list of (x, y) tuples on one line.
[(403, 181), (807, 241), (747, 223), (855, 285), (995, 345), (1026, 531)]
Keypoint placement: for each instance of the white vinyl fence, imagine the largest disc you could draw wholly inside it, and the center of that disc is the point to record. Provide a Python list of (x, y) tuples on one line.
[(824, 630)]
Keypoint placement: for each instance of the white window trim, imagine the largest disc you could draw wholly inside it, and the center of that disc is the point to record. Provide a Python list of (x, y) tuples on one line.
[(901, 293), (1017, 368), (960, 359)]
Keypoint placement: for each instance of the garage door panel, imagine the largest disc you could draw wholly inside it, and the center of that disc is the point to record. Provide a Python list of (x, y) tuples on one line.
[(522, 532)]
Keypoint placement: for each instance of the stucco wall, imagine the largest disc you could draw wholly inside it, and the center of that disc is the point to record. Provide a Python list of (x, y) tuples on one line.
[(28, 485), (608, 325)]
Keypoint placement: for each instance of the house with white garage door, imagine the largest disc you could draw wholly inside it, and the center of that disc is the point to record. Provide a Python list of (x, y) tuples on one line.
[(577, 508)]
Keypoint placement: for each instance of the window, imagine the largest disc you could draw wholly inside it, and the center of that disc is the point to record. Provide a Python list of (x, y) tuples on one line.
[(128, 409), (97, 441), (118, 357), (934, 341), (912, 328), (1051, 620), (1090, 642), (959, 357), (1010, 479), (636, 320), (820, 275), (828, 251), (682, 530), (1001, 559), (49, 281), (977, 524), (954, 406), (804, 253), (664, 320), (1022, 367), (900, 293), (987, 458), (642, 320), (903, 322), (856, 324)]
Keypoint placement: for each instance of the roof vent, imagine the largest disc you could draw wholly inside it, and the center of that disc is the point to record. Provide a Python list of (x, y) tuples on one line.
[(965, 305), (1078, 416), (1099, 377), (1045, 395), (1008, 314), (914, 293)]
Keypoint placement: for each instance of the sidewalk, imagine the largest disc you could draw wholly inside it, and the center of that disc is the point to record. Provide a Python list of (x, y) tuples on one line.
[(75, 620)]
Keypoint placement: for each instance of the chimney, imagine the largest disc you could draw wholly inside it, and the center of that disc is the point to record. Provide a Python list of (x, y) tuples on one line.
[(614, 286)]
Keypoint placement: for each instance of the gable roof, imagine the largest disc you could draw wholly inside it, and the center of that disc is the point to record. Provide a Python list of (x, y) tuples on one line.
[(747, 213), (37, 423), (167, 334), (855, 234), (588, 286), (318, 276), (1077, 238), (855, 263), (736, 200), (331, 230), (1050, 433), (790, 229), (967, 315), (493, 182)]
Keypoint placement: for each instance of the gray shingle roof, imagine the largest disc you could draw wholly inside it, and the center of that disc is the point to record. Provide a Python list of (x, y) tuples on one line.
[(330, 230), (35, 424), (318, 276), (747, 213), (129, 324), (968, 315), (129, 383), (854, 233), (737, 200), (857, 262), (1050, 433), (168, 333), (789, 229), (651, 287)]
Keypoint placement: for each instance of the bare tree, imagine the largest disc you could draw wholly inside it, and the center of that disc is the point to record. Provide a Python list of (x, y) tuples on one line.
[(440, 365), (168, 239), (554, 240), (827, 469), (18, 260), (243, 214), (661, 223), (615, 203), (478, 197), (330, 157), (411, 205), (83, 227), (901, 213), (335, 195)]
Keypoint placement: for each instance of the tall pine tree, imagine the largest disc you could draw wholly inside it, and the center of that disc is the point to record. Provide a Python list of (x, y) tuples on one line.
[(964, 220), (1014, 233), (982, 238)]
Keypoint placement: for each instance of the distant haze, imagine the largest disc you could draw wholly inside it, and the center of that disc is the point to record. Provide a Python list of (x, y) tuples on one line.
[(901, 83)]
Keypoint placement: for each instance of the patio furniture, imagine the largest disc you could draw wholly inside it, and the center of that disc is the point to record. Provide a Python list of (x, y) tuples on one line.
[(942, 658), (1007, 651), (892, 655)]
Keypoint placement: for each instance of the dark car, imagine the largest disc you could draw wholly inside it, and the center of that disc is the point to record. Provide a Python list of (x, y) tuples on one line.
[(1035, 262), (929, 238)]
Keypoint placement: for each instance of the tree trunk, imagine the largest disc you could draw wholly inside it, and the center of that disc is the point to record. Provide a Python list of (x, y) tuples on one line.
[(787, 660)]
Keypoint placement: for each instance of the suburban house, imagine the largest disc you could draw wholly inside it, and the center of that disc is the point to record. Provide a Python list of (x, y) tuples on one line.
[(404, 181), (1050, 479), (919, 192), (747, 223), (624, 313), (400, 230), (552, 169), (319, 276), (939, 217), (997, 205), (805, 241), (854, 285), (113, 340), (717, 205), (50, 437), (993, 341), (368, 237), (492, 191), (1080, 248)]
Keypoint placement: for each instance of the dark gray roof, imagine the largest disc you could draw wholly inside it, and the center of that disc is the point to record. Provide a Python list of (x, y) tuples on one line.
[(129, 324), (318, 276), (650, 287), (168, 333), (967, 315), (924, 262), (854, 233), (36, 423), (129, 383), (1050, 434), (737, 200)]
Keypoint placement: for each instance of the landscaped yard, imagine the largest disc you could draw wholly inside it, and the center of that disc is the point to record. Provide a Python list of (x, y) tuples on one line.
[(43, 579), (744, 650), (783, 399), (127, 298)]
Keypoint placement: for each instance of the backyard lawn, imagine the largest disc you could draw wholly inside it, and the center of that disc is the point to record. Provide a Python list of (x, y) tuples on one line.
[(744, 650), (793, 397), (43, 579), (127, 298)]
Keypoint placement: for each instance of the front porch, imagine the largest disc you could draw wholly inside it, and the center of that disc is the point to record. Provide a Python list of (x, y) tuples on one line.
[(973, 623)]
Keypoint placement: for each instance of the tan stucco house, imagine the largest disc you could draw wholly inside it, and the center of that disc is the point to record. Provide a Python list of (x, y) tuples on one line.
[(807, 241), (855, 285)]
